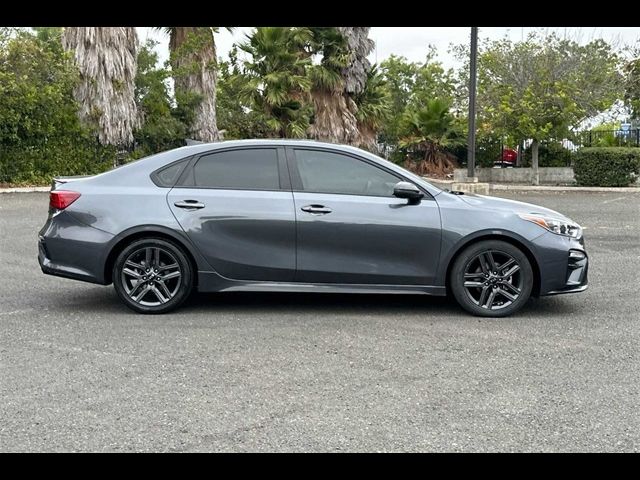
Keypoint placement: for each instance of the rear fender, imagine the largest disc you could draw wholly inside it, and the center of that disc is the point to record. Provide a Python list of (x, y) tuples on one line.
[(123, 238)]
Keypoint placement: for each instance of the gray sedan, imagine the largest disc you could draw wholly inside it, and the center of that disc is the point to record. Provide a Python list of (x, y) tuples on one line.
[(280, 215)]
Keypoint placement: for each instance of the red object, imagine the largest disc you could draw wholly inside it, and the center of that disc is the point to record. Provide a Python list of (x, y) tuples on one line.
[(61, 199), (509, 155)]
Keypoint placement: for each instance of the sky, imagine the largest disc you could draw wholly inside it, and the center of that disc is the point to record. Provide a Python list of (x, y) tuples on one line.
[(412, 42)]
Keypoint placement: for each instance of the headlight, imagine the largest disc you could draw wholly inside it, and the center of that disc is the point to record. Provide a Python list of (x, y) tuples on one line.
[(554, 225)]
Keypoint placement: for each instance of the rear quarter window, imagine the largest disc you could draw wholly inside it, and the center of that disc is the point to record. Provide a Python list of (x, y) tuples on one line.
[(168, 176)]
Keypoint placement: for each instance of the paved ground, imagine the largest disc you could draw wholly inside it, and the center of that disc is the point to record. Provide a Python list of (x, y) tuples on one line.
[(269, 372)]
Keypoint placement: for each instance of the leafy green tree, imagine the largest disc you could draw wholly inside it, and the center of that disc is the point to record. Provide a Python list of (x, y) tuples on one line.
[(410, 86), (236, 118), (40, 133), (632, 82), (162, 126), (543, 87)]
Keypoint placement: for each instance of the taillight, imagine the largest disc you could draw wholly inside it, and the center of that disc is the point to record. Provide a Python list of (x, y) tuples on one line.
[(61, 199)]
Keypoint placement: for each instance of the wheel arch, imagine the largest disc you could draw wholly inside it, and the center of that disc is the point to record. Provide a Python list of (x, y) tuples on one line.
[(123, 239), (513, 240)]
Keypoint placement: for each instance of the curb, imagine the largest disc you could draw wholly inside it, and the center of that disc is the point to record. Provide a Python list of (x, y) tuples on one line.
[(24, 189), (545, 188), (539, 188)]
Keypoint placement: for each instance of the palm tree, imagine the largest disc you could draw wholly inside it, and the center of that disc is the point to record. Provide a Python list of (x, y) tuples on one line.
[(430, 130), (107, 61), (275, 80), (334, 120), (194, 64), (374, 108), (359, 46), (341, 75)]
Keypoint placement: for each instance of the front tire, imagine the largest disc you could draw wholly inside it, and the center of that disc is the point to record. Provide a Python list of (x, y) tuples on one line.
[(491, 278), (152, 275)]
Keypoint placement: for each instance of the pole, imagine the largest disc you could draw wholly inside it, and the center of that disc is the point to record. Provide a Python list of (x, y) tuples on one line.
[(471, 150)]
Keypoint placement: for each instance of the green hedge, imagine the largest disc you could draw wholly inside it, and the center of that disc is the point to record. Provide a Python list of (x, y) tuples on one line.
[(607, 166), (38, 164)]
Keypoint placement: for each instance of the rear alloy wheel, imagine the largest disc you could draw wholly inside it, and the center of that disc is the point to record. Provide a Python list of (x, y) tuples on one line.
[(152, 276), (492, 279)]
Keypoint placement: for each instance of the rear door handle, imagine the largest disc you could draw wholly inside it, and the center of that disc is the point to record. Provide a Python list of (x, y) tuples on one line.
[(190, 204), (316, 209)]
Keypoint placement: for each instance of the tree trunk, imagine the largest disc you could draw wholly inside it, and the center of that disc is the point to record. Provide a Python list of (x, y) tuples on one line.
[(335, 117), (535, 174), (193, 61), (519, 157), (107, 60), (368, 137), (335, 121)]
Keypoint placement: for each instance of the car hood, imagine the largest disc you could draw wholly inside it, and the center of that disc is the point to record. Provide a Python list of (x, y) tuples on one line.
[(502, 204)]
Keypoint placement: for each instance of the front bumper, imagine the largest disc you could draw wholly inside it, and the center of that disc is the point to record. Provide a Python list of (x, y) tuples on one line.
[(563, 264), (577, 273)]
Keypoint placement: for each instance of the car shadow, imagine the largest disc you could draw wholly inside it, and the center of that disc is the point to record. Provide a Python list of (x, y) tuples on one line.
[(319, 303), (378, 304), (105, 302)]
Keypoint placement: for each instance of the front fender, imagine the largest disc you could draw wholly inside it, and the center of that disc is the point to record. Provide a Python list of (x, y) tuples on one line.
[(453, 244)]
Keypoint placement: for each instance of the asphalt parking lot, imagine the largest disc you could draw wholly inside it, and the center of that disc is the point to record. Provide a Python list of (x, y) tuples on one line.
[(284, 372)]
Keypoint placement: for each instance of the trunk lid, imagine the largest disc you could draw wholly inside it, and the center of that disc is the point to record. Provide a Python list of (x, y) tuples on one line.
[(57, 182)]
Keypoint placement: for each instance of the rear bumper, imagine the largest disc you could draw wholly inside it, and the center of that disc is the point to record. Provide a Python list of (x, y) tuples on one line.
[(68, 248), (66, 271)]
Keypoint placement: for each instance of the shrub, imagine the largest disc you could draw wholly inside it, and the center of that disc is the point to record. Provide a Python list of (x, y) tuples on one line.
[(31, 165), (488, 151), (607, 166), (551, 154)]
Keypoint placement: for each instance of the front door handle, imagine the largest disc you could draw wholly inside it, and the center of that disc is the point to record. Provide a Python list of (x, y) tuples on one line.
[(190, 204), (316, 209)]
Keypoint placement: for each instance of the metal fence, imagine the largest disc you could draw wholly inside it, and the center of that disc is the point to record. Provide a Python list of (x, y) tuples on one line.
[(609, 138), (552, 153)]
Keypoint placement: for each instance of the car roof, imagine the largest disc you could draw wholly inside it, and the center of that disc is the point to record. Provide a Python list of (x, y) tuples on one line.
[(145, 166), (273, 142)]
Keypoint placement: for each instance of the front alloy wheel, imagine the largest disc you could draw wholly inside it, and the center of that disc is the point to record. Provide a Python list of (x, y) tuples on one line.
[(492, 279)]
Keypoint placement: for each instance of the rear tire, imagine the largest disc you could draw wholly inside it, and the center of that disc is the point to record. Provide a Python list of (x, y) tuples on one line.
[(152, 275), (491, 278)]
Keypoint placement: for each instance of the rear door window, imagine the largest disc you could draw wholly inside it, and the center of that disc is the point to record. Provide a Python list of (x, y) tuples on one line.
[(249, 169)]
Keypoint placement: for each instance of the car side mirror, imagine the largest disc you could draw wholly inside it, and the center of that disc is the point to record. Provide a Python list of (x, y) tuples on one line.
[(407, 190)]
